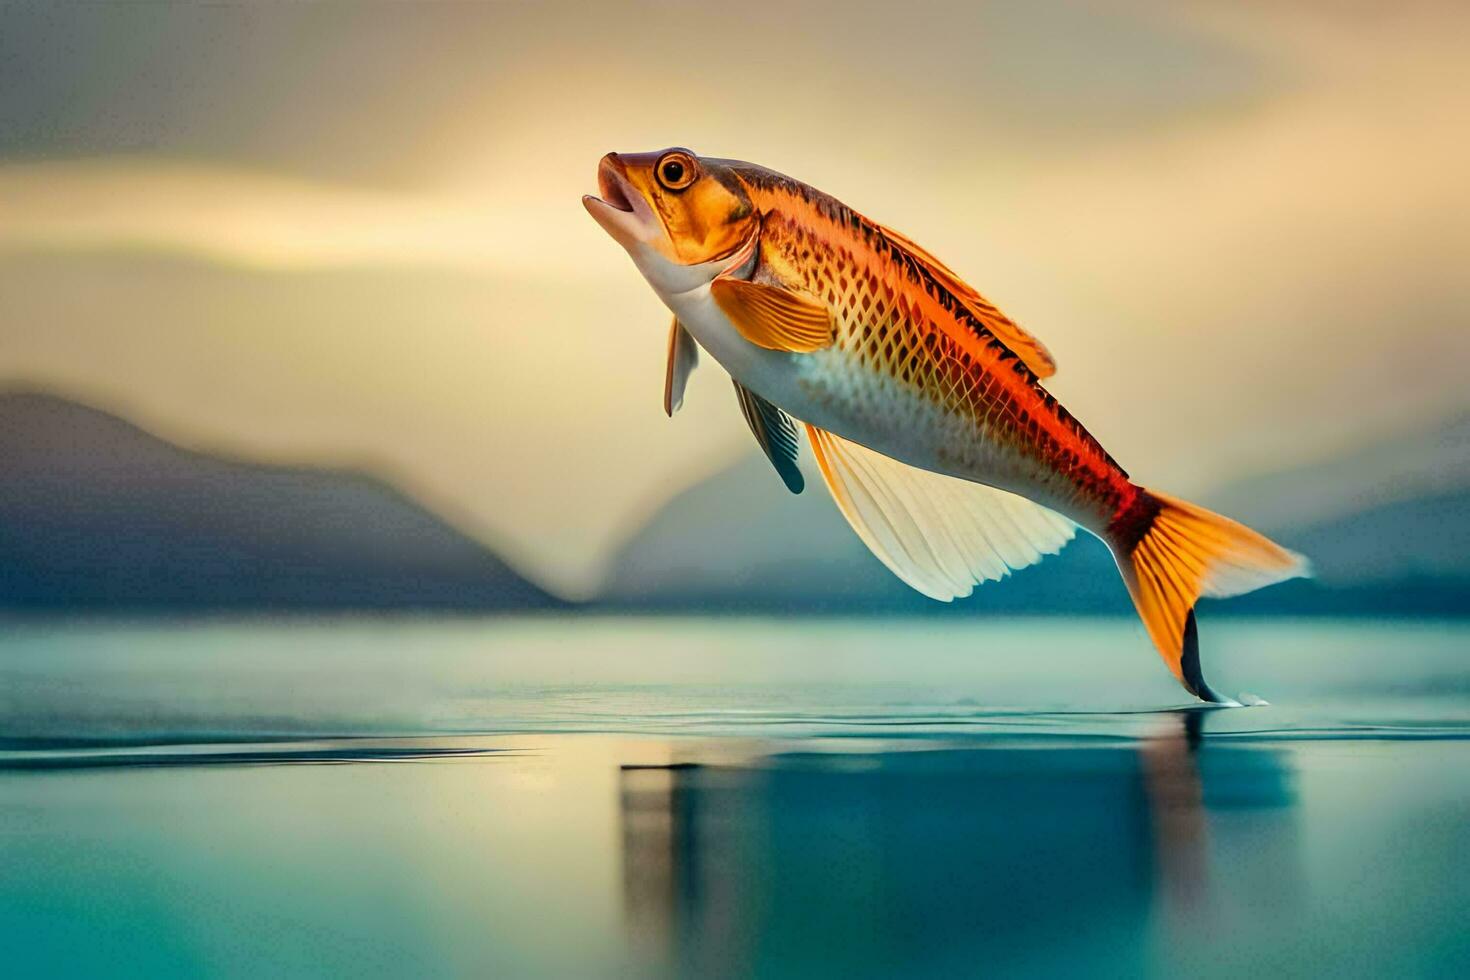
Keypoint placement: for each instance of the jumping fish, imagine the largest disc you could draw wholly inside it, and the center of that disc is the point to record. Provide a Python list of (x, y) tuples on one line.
[(923, 403)]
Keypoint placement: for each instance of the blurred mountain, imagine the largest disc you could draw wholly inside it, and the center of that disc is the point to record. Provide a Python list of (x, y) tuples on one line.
[(95, 512), (1387, 525), (1387, 528), (740, 541), (740, 538), (1430, 462)]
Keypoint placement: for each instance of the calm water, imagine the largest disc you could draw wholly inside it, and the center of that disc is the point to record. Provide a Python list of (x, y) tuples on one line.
[(730, 797)]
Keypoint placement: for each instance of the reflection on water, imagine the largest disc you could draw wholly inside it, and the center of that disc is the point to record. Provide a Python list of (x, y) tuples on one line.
[(936, 860), (712, 799), (1212, 799), (655, 850), (1176, 806)]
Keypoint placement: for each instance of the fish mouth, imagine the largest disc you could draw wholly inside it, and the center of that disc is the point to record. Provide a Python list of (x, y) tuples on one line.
[(620, 210), (611, 183)]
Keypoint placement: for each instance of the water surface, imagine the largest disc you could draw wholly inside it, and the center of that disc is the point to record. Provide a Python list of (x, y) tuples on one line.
[(628, 797)]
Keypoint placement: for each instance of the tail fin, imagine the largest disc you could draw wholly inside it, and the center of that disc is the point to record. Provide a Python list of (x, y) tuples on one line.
[(1171, 553)]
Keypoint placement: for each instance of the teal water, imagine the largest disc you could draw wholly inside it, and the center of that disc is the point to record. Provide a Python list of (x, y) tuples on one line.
[(630, 797)]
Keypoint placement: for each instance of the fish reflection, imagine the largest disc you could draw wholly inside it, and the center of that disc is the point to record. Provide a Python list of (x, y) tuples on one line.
[(654, 829), (938, 861), (1226, 836), (1207, 800), (1176, 805)]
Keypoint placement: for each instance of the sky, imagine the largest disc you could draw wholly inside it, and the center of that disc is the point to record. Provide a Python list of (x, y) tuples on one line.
[(351, 233)]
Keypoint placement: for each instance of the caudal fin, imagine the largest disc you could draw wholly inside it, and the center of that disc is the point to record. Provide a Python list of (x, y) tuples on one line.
[(1171, 553)]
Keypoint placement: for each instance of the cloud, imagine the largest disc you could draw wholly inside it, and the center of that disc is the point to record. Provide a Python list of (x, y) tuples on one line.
[(351, 232), (399, 92), (274, 222)]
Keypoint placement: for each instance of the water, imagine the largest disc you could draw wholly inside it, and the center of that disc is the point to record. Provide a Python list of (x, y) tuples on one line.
[(628, 797)]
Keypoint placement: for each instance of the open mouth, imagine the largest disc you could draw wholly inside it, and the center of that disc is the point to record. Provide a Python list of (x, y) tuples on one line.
[(610, 185), (620, 210)]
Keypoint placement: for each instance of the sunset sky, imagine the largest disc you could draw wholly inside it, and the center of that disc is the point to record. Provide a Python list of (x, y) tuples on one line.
[(351, 233)]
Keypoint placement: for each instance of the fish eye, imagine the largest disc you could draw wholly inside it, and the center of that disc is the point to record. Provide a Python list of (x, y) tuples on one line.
[(675, 171)]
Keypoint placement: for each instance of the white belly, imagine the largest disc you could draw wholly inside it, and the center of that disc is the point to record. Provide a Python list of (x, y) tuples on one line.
[(825, 388)]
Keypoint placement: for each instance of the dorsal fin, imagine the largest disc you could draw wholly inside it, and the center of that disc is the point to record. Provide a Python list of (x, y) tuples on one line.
[(1032, 352), (683, 359), (775, 432), (940, 534)]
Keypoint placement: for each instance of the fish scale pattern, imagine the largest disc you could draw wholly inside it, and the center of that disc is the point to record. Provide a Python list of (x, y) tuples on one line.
[(889, 322)]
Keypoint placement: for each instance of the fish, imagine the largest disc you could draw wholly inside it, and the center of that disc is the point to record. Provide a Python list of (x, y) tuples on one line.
[(923, 404)]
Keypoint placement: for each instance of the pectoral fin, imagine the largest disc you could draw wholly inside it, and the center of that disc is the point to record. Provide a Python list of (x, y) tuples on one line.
[(683, 359), (774, 316), (776, 433), (940, 534)]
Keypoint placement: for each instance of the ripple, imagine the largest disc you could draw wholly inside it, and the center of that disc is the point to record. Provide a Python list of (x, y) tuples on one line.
[(336, 752)]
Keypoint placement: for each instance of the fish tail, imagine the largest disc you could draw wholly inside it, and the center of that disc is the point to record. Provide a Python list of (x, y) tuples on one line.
[(1170, 553)]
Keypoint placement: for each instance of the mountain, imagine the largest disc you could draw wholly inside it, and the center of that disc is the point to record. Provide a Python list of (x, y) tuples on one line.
[(1429, 462), (740, 538), (740, 541), (1387, 528), (1387, 525), (96, 513), (1407, 556)]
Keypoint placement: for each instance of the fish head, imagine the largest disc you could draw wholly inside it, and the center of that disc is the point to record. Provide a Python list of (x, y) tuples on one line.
[(681, 218)]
